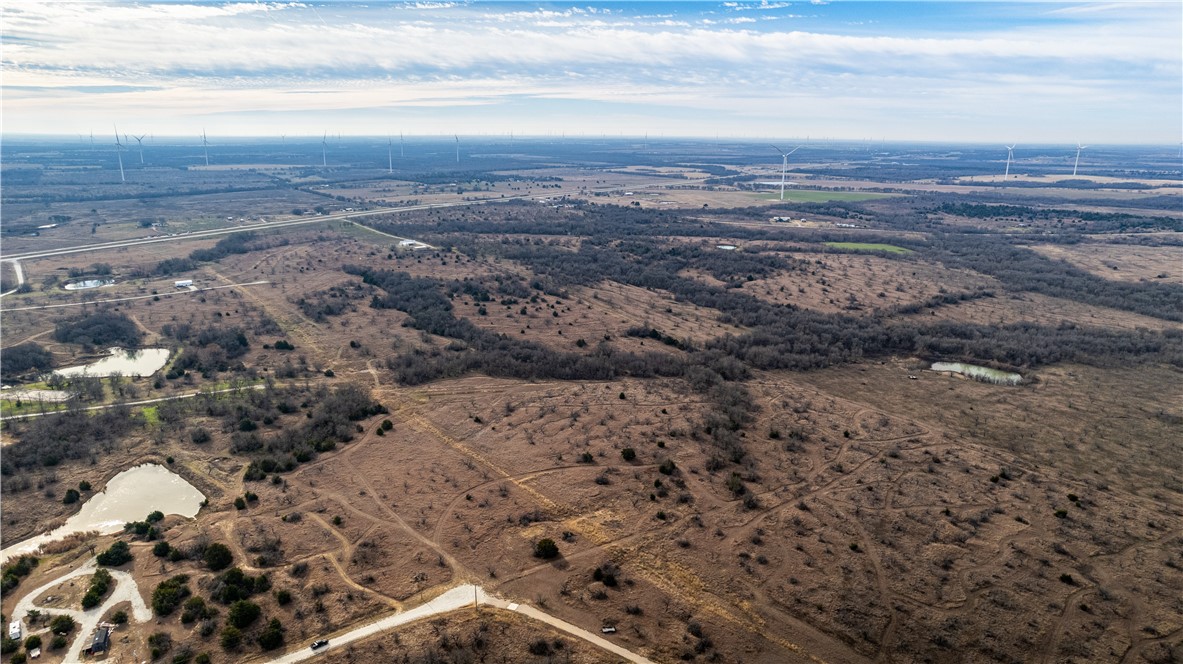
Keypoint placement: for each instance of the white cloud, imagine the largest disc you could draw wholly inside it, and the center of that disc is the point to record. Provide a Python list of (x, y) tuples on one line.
[(235, 57)]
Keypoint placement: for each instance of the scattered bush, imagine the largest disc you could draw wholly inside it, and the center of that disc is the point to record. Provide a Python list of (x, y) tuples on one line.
[(116, 555), (100, 583), (243, 613), (272, 637), (15, 571), (546, 549), (169, 594), (217, 556), (231, 638), (62, 625)]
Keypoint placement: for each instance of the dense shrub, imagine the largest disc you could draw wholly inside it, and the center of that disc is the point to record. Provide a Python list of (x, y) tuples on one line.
[(115, 555), (16, 570), (24, 359), (101, 328), (100, 583), (546, 548), (169, 594), (243, 613), (217, 556)]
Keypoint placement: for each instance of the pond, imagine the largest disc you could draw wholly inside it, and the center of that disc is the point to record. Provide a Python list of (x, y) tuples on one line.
[(142, 362), (129, 496), (976, 372), (89, 283)]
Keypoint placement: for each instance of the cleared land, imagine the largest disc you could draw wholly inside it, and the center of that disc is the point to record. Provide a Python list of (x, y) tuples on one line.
[(868, 246), (1122, 262), (819, 196)]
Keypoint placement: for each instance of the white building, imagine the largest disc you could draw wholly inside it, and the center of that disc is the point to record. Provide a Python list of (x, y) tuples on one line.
[(184, 283)]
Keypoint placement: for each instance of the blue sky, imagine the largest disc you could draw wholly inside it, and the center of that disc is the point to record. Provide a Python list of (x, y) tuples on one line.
[(968, 71)]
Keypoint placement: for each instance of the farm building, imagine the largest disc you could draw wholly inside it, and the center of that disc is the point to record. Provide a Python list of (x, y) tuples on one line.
[(184, 283)]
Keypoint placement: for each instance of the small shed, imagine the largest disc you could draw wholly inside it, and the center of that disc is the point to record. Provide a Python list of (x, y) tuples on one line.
[(102, 641)]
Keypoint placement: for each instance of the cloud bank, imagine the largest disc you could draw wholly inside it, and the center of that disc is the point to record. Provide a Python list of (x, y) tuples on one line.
[(1015, 72)]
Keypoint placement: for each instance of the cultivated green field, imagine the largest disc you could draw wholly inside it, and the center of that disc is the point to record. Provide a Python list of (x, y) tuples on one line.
[(815, 196), (868, 246)]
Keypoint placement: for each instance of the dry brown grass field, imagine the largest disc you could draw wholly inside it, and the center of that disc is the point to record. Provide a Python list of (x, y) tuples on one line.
[(1122, 262)]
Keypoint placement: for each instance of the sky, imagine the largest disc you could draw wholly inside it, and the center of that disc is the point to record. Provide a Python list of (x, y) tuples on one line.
[(994, 72)]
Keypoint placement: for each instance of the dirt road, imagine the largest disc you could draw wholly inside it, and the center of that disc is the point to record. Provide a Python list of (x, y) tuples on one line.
[(458, 598)]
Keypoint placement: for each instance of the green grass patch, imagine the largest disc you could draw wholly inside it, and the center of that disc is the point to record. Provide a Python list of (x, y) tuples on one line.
[(815, 196), (151, 414), (10, 408), (868, 246)]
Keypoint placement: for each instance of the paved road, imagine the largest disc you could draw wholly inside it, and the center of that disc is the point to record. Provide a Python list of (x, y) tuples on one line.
[(198, 235), (134, 297), (339, 216), (20, 278), (457, 598), (187, 395), (126, 590)]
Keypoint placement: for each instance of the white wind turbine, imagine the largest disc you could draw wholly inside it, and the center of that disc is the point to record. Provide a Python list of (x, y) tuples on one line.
[(205, 146), (140, 145), (1079, 147), (457, 149), (119, 153), (401, 147), (1010, 153), (390, 155), (324, 147), (784, 167)]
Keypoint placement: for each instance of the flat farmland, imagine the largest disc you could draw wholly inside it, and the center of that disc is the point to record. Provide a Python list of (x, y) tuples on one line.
[(1122, 262), (123, 219), (819, 196)]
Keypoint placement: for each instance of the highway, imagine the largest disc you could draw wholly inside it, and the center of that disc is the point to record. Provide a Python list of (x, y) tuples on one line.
[(132, 297), (337, 216), (142, 402), (198, 235)]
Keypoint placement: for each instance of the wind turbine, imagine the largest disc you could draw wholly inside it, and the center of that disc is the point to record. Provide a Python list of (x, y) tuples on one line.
[(784, 166), (119, 153), (205, 146), (140, 144), (324, 155), (390, 155), (1010, 153), (457, 149), (1079, 147)]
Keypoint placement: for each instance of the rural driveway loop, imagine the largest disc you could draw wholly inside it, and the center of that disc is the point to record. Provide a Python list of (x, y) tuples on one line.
[(126, 590)]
